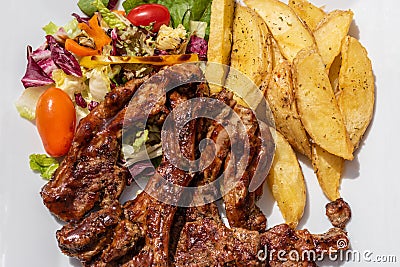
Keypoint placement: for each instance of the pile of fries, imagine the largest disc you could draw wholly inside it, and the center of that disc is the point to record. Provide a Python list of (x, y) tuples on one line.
[(317, 80)]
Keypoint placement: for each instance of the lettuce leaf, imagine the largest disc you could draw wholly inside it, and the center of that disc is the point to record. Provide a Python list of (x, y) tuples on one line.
[(43, 164), (71, 28), (112, 20)]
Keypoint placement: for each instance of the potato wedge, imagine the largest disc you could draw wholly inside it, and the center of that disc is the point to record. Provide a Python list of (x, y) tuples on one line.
[(328, 169), (288, 30), (251, 48), (330, 34), (286, 182), (308, 12), (317, 106), (220, 41), (281, 99), (357, 92)]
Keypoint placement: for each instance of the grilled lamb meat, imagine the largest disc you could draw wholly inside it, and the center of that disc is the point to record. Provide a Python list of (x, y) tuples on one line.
[(142, 237), (217, 133), (209, 243), (89, 174), (338, 212), (282, 242), (90, 236), (240, 206)]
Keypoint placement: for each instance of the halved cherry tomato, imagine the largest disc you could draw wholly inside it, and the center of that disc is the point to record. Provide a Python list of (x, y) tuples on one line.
[(145, 14), (55, 121)]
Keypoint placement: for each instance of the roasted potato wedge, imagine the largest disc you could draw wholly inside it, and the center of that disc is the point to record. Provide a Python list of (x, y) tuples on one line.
[(317, 105), (286, 182), (220, 41), (328, 169), (288, 30), (357, 91), (308, 12), (251, 48), (251, 55), (281, 99), (330, 34)]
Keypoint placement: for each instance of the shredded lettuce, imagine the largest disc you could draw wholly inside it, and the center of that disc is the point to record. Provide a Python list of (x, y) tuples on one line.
[(99, 82), (112, 20), (43, 164), (140, 140), (71, 28), (68, 83), (141, 147)]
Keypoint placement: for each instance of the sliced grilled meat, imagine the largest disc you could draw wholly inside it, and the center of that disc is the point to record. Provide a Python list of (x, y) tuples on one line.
[(287, 247), (206, 242), (338, 212), (220, 137), (89, 237), (240, 206), (209, 243), (89, 174), (153, 218), (160, 215)]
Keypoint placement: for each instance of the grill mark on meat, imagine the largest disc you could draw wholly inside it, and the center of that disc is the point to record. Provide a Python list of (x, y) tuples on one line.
[(338, 213)]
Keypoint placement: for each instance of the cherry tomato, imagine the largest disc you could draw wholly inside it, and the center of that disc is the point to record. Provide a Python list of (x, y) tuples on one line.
[(55, 121), (145, 14)]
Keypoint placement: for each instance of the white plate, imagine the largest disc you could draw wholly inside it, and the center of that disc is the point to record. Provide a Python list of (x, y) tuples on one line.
[(371, 183)]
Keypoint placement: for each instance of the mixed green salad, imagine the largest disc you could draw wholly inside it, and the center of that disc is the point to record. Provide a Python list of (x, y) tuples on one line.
[(68, 75)]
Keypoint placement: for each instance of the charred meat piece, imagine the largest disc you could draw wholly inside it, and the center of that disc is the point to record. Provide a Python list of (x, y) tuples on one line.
[(206, 242), (305, 246), (338, 212), (240, 206), (160, 215), (90, 236), (210, 243), (217, 133)]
